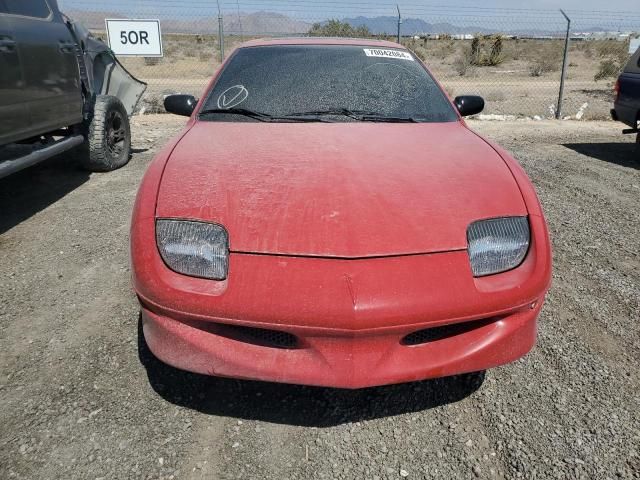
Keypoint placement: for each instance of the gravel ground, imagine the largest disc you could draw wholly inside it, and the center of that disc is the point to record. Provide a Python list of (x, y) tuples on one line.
[(83, 398)]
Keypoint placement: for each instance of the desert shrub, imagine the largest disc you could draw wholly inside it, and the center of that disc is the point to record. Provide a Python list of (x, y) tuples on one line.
[(495, 56), (543, 65), (443, 49), (336, 28), (410, 43), (362, 32), (475, 51), (585, 47), (420, 52), (536, 69), (612, 48), (487, 51), (544, 57), (614, 56), (533, 50), (588, 51), (463, 64), (152, 104), (525, 50), (608, 68)]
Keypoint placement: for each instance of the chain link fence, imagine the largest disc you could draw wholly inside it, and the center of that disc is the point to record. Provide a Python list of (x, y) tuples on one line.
[(513, 57)]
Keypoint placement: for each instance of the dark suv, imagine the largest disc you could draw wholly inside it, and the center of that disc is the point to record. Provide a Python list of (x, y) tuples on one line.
[(627, 104), (60, 88)]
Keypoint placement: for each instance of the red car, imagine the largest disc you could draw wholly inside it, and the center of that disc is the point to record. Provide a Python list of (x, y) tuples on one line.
[(327, 218)]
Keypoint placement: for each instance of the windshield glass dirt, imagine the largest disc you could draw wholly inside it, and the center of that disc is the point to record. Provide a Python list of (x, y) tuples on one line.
[(320, 81)]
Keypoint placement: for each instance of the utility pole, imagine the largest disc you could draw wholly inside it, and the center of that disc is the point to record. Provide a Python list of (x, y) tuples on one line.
[(399, 22), (564, 66), (220, 32), (240, 21)]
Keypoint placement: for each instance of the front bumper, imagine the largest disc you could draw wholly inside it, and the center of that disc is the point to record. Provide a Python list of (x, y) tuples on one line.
[(350, 317), (342, 359)]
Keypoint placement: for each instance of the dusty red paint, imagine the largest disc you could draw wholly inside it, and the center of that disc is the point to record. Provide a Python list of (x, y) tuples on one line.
[(339, 190), (386, 206)]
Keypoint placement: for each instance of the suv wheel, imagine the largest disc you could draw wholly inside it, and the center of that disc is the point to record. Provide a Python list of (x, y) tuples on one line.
[(108, 143)]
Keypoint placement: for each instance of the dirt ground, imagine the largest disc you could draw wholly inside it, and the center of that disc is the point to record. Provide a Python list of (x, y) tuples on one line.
[(82, 398)]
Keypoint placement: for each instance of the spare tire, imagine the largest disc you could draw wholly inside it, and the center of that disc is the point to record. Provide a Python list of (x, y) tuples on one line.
[(108, 136)]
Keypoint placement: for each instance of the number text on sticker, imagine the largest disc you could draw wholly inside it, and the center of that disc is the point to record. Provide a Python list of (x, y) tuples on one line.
[(377, 52)]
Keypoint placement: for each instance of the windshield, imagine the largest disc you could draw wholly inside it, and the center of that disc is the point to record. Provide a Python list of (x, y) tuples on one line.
[(326, 83)]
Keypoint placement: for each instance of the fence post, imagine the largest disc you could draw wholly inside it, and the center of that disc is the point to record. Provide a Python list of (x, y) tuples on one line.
[(399, 22), (240, 21), (220, 33), (564, 66)]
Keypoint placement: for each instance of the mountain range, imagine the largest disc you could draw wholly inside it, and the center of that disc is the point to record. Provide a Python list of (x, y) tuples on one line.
[(257, 23), (270, 23), (410, 26)]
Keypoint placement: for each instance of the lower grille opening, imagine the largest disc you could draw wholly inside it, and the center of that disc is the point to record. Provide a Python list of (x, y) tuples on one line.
[(429, 335), (255, 336)]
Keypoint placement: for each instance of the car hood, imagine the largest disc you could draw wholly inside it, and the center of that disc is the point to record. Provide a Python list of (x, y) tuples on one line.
[(342, 190)]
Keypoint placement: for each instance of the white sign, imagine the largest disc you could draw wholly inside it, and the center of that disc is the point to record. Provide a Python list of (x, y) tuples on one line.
[(377, 52), (634, 45), (135, 38)]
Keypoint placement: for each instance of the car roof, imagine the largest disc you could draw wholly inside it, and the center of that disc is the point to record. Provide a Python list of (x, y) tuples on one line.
[(264, 42)]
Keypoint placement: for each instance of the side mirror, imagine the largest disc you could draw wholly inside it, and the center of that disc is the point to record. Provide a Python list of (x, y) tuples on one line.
[(180, 104), (469, 105)]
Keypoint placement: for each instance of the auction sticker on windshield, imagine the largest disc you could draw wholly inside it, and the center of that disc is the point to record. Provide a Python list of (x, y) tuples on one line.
[(377, 52)]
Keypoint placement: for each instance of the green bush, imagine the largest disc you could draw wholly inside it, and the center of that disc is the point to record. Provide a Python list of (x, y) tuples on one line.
[(487, 51), (336, 28)]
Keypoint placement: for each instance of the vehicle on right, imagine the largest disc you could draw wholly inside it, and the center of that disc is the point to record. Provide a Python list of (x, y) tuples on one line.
[(627, 103)]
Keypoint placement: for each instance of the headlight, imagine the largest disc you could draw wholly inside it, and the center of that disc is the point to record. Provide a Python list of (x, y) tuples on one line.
[(497, 245), (194, 248)]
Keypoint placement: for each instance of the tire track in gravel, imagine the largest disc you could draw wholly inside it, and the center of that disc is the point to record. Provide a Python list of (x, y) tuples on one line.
[(207, 447), (343, 438)]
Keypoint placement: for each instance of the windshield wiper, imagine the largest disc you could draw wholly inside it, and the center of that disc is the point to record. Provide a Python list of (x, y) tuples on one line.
[(345, 112), (311, 116), (262, 117), (359, 115), (383, 118), (238, 111)]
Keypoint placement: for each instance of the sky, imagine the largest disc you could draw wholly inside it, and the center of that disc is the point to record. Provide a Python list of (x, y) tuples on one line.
[(357, 5), (632, 5), (610, 14)]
